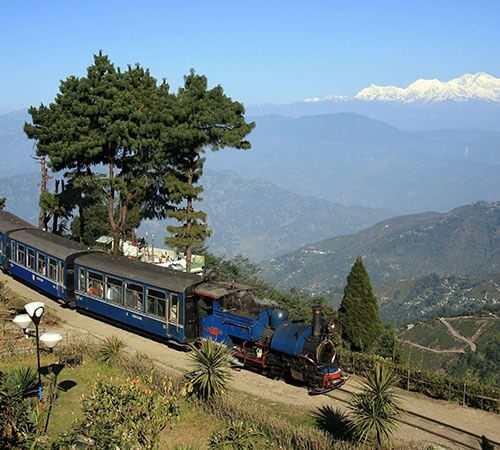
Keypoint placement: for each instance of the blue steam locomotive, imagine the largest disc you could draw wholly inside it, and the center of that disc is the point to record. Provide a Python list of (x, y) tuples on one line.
[(172, 306)]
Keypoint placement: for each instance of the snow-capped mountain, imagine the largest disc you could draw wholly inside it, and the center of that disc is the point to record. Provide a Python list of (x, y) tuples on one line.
[(479, 86)]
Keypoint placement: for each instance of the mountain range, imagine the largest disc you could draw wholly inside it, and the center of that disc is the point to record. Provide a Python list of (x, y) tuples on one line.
[(355, 160), (254, 218), (464, 241), (478, 86), (467, 102)]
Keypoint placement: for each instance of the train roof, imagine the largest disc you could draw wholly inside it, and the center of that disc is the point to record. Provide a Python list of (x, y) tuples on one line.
[(220, 289), (121, 267), (10, 222), (54, 245)]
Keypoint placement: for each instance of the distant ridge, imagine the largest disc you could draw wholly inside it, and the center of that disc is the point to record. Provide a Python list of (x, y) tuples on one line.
[(464, 241)]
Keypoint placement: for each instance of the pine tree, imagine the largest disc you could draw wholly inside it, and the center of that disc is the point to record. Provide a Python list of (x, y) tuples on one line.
[(204, 118), (358, 312), (106, 119), (2, 203)]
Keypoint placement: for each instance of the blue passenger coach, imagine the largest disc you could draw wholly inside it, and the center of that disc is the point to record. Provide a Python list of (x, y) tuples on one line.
[(8, 223), (153, 299), (45, 261)]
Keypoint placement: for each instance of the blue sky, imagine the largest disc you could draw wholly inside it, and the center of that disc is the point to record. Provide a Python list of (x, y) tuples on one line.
[(260, 51)]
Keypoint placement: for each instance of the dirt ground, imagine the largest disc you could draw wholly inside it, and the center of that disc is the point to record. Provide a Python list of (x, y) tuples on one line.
[(258, 386)]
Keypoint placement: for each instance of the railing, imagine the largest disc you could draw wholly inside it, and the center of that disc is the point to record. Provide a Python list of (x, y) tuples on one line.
[(432, 384)]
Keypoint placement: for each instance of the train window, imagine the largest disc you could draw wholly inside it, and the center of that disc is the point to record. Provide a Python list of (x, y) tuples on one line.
[(94, 284), (81, 279), (161, 308), (30, 259), (20, 254), (114, 290), (134, 296), (174, 307), (153, 298), (52, 269), (41, 265)]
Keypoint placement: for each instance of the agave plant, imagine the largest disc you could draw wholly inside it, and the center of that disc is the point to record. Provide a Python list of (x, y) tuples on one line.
[(111, 350), (21, 380), (210, 375), (375, 409)]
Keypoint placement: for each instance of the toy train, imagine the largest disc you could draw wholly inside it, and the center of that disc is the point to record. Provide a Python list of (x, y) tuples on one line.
[(171, 305)]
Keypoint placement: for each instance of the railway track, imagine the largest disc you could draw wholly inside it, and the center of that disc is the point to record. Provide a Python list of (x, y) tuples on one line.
[(458, 437)]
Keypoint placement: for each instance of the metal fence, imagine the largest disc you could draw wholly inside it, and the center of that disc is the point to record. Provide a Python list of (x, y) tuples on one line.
[(432, 384)]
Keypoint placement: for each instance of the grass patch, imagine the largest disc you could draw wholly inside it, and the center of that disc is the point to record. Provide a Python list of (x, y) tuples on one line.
[(72, 384), (193, 428)]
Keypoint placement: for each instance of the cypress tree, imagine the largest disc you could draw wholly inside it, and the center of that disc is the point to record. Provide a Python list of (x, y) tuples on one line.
[(358, 312)]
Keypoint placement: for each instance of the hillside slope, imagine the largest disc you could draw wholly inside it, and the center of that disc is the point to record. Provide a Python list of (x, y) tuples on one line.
[(254, 218), (431, 295), (352, 159), (464, 241)]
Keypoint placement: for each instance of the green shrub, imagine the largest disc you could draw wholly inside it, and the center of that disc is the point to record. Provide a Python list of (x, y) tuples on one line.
[(111, 350), (18, 415), (237, 436), (124, 415), (70, 355)]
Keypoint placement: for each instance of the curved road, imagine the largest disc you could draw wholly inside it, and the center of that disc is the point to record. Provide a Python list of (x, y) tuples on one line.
[(457, 335), (293, 397)]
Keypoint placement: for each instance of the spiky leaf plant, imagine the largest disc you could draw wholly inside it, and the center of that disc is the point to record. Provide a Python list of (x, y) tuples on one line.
[(375, 409), (111, 350), (22, 380), (210, 375)]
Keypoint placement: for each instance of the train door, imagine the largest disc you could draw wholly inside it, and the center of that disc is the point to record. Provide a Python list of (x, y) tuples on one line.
[(173, 318), (190, 319), (61, 288)]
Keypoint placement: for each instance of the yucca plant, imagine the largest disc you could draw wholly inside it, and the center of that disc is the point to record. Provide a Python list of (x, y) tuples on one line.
[(210, 375), (111, 350), (22, 380), (375, 409)]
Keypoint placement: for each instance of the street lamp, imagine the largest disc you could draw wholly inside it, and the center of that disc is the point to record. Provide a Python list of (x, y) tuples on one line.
[(34, 313)]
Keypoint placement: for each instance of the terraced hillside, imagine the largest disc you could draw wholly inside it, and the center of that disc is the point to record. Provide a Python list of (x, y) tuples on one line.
[(453, 344)]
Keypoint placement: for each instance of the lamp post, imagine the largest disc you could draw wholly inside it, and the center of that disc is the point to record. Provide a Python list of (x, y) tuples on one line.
[(34, 313)]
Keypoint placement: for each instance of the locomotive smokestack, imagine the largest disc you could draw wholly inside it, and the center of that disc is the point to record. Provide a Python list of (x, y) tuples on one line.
[(316, 320)]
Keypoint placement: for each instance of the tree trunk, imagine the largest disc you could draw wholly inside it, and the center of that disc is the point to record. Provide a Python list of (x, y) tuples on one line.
[(189, 209), (43, 218), (55, 218), (110, 198), (81, 213), (122, 222)]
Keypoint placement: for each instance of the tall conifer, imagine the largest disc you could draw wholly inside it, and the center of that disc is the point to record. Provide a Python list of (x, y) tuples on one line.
[(358, 312), (204, 118)]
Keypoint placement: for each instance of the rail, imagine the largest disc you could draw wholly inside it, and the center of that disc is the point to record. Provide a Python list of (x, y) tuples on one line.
[(457, 436)]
